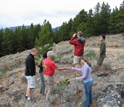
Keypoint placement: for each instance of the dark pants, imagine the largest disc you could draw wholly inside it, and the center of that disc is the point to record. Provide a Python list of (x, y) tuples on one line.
[(88, 94), (42, 82)]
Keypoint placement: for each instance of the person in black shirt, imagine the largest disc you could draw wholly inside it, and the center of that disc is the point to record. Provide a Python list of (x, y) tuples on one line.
[(30, 72)]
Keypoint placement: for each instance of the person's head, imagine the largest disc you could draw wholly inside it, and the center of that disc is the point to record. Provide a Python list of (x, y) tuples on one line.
[(79, 34), (102, 37), (50, 54), (84, 60), (45, 55), (34, 51)]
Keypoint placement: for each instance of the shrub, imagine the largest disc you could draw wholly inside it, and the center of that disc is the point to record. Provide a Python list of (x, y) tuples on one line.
[(2, 72), (91, 55)]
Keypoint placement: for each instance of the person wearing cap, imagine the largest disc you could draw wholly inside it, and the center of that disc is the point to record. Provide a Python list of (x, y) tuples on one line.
[(87, 80), (30, 72), (102, 54), (42, 82), (49, 68), (78, 43)]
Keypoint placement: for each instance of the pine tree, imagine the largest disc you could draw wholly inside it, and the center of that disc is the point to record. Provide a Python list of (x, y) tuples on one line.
[(104, 16), (120, 24), (45, 40), (31, 36), (7, 42), (113, 21), (81, 17), (89, 25), (97, 20), (1, 39)]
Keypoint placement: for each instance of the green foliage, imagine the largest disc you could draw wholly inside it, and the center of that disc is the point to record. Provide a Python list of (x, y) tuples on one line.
[(105, 16), (2, 72), (120, 24), (11, 74), (113, 28), (45, 41), (65, 82), (91, 55)]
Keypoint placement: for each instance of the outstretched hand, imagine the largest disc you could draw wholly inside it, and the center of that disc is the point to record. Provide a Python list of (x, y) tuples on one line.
[(69, 68)]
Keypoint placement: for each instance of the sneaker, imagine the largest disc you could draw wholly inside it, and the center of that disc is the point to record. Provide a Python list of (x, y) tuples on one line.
[(99, 75), (29, 98)]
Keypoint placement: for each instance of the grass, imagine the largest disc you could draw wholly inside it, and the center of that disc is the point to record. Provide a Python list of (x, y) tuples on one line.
[(12, 74), (91, 55), (2, 72)]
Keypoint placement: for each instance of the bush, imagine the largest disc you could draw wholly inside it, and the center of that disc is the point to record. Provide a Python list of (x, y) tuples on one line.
[(2, 72), (91, 55)]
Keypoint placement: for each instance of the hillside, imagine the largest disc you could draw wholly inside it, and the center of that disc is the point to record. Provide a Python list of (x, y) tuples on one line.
[(108, 91)]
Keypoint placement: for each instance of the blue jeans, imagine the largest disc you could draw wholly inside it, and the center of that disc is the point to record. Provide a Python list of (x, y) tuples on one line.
[(88, 94)]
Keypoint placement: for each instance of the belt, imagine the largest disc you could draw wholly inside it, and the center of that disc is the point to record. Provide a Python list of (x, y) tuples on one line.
[(88, 80)]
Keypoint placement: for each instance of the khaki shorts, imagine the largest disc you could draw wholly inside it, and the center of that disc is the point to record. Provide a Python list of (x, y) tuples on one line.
[(31, 81), (77, 60), (100, 61)]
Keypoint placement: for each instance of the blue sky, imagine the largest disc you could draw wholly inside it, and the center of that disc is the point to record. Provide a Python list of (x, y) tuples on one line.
[(19, 12)]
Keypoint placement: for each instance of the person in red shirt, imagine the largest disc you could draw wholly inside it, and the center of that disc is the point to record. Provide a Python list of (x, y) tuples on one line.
[(49, 68), (78, 49)]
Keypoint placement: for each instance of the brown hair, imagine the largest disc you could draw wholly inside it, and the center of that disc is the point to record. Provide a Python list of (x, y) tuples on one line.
[(86, 60), (80, 33)]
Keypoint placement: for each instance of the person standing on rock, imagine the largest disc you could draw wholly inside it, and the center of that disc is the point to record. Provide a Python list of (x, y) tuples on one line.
[(42, 82), (87, 80), (102, 54), (30, 72), (49, 68), (78, 49)]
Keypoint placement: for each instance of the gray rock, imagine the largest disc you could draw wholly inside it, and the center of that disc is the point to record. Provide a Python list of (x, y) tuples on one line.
[(4, 103)]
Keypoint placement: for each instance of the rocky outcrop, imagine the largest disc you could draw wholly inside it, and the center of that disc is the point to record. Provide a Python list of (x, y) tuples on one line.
[(112, 96), (4, 103)]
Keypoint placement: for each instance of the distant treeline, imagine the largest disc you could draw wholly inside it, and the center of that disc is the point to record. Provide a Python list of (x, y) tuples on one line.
[(101, 20)]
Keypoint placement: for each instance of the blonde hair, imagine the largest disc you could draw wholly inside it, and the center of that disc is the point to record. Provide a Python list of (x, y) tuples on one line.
[(33, 49)]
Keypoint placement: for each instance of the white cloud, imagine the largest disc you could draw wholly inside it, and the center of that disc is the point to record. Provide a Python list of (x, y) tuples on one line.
[(19, 12)]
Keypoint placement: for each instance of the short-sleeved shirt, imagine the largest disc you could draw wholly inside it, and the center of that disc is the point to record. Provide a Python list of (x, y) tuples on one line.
[(49, 67)]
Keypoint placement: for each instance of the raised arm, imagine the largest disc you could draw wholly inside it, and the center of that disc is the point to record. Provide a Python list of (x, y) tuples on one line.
[(72, 40)]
